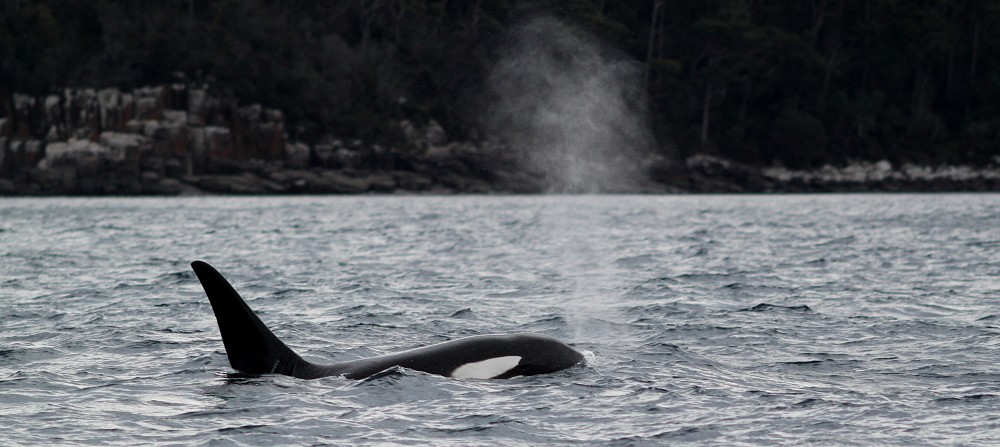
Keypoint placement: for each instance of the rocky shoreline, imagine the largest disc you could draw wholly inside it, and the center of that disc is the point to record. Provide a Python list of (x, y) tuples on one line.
[(180, 140), (707, 174)]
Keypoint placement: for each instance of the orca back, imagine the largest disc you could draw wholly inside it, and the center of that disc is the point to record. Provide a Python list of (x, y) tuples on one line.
[(252, 347)]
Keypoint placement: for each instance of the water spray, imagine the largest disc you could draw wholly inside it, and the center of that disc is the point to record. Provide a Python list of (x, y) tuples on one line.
[(572, 107)]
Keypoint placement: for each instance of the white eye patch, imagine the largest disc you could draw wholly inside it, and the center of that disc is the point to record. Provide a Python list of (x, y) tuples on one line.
[(486, 369)]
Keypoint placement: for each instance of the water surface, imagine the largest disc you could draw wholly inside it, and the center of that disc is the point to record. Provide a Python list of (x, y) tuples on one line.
[(754, 320)]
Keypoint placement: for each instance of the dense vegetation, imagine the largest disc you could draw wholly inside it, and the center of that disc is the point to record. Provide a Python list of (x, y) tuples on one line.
[(794, 81)]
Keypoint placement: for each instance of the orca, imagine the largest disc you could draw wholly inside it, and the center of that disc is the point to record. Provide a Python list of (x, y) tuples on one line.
[(253, 349)]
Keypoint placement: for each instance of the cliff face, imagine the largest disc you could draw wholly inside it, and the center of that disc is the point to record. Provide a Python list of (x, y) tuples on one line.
[(142, 141), (177, 139)]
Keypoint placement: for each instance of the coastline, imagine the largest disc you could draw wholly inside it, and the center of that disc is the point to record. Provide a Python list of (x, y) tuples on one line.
[(269, 179), (181, 140)]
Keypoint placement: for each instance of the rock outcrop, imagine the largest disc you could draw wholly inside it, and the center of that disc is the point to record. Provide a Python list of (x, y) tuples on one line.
[(181, 139)]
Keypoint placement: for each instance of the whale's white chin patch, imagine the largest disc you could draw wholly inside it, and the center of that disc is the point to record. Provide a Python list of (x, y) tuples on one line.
[(486, 369)]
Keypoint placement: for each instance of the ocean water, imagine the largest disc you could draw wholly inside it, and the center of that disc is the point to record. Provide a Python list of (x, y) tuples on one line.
[(714, 320)]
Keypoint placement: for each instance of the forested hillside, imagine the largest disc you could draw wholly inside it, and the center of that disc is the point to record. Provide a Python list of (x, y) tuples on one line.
[(798, 82)]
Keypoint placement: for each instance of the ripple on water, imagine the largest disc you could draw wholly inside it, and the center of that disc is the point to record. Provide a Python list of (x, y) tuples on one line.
[(718, 320)]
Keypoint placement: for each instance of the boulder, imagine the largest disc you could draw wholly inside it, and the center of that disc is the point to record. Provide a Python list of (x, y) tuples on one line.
[(146, 108), (32, 152), (439, 152), (435, 134), (233, 184), (296, 155), (293, 180), (331, 182), (218, 142), (174, 168), (91, 171), (465, 184), (519, 182), (56, 180), (381, 182), (251, 112), (413, 181), (111, 109), (351, 159), (291, 175), (198, 149), (56, 153), (326, 155), (197, 105), (53, 111), (124, 145), (149, 178), (410, 132), (148, 102), (381, 159), (170, 186), (174, 118), (7, 187)]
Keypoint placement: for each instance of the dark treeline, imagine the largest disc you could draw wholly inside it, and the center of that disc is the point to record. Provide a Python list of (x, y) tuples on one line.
[(800, 82)]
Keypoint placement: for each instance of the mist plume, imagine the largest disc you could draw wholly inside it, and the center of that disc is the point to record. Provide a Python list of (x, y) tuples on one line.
[(574, 108)]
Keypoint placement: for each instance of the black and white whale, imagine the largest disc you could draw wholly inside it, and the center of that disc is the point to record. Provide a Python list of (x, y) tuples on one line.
[(252, 347)]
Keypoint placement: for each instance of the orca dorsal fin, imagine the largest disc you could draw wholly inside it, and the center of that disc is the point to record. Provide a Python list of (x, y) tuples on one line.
[(252, 347)]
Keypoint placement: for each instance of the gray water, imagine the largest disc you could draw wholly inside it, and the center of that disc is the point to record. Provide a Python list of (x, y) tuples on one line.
[(755, 320)]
